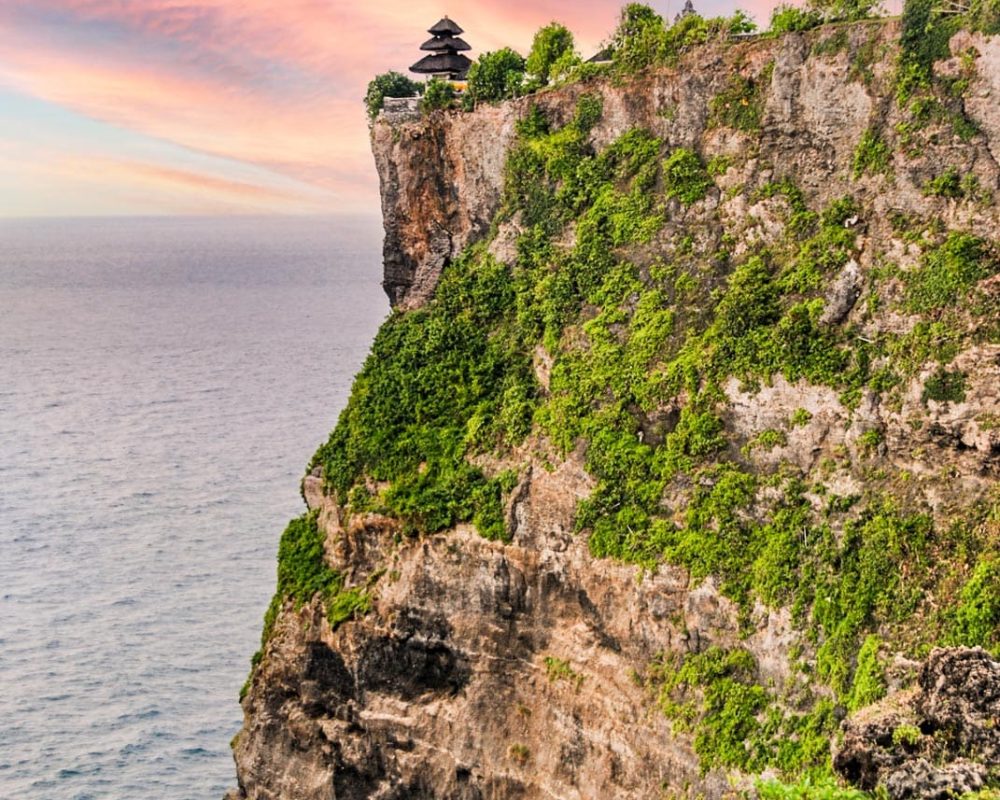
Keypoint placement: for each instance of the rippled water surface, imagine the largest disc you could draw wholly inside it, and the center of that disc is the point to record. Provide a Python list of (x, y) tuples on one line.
[(162, 385)]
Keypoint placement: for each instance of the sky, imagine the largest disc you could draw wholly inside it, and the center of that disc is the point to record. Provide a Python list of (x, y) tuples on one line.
[(179, 107)]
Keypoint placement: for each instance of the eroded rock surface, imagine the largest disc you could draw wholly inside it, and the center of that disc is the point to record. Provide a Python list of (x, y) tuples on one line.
[(444, 691), (933, 742)]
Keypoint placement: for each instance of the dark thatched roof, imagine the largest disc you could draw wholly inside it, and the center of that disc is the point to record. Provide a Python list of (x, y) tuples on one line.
[(445, 26), (454, 64), (445, 43)]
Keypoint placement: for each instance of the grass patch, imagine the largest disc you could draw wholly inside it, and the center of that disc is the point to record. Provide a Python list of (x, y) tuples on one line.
[(977, 617), (869, 684), (947, 272), (872, 156), (559, 669)]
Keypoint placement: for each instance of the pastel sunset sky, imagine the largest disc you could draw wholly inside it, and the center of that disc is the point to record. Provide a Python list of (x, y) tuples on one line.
[(226, 106)]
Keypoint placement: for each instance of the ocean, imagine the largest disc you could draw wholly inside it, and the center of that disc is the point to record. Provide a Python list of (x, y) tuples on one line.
[(163, 383)]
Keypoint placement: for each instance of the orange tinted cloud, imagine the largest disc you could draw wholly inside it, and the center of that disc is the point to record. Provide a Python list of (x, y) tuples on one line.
[(202, 114), (200, 182)]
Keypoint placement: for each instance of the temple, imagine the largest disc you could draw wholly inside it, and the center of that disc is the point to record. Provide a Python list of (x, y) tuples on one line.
[(687, 11), (445, 58)]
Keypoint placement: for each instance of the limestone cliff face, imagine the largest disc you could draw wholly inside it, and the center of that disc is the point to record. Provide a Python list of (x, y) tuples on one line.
[(440, 183), (488, 670)]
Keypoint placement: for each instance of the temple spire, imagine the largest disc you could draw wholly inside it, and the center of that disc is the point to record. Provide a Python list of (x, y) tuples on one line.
[(445, 58)]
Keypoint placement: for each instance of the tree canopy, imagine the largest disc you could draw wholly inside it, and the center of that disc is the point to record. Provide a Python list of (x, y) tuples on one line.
[(498, 75), (550, 46), (388, 84)]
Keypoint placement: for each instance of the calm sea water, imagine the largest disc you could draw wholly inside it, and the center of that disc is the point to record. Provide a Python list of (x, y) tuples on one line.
[(162, 385)]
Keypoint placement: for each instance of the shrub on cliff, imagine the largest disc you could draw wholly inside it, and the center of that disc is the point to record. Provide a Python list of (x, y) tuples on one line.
[(644, 39), (787, 18), (922, 41), (438, 94), (638, 41), (684, 177), (497, 76), (948, 272), (553, 46), (388, 84), (984, 15), (845, 10), (977, 618)]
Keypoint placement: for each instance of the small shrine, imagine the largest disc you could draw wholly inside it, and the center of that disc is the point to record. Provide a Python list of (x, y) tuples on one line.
[(445, 57)]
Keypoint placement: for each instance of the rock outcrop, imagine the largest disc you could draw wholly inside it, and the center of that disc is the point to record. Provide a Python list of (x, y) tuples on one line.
[(939, 740), (440, 181)]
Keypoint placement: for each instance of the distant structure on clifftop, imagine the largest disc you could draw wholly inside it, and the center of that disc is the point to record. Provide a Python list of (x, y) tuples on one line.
[(687, 11), (445, 59)]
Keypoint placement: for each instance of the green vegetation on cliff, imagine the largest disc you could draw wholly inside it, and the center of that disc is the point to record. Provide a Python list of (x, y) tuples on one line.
[(302, 575), (440, 385), (644, 330), (615, 269)]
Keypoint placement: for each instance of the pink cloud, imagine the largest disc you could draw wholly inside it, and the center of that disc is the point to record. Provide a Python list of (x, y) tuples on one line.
[(290, 135)]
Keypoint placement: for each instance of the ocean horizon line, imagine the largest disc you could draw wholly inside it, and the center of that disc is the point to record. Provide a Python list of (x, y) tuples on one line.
[(374, 215)]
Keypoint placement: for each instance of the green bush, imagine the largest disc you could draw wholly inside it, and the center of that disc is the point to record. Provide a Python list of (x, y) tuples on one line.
[(437, 95), (767, 440), (872, 155), (348, 605), (684, 177), (923, 40), (947, 184), (984, 15), (861, 586), (906, 735), (788, 18), (824, 788), (302, 569), (948, 271), (977, 618), (552, 51), (846, 10), (389, 84), (944, 387), (569, 66), (496, 76), (800, 417), (438, 384), (737, 723), (638, 41), (869, 684)]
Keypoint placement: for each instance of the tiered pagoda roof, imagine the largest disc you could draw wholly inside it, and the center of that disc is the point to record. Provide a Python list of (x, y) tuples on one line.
[(445, 50)]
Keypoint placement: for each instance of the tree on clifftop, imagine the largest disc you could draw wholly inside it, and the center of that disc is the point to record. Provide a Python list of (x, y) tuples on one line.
[(496, 76), (388, 84), (551, 44), (638, 40)]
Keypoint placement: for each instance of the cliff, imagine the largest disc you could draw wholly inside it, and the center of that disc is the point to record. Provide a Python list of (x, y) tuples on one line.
[(678, 454)]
